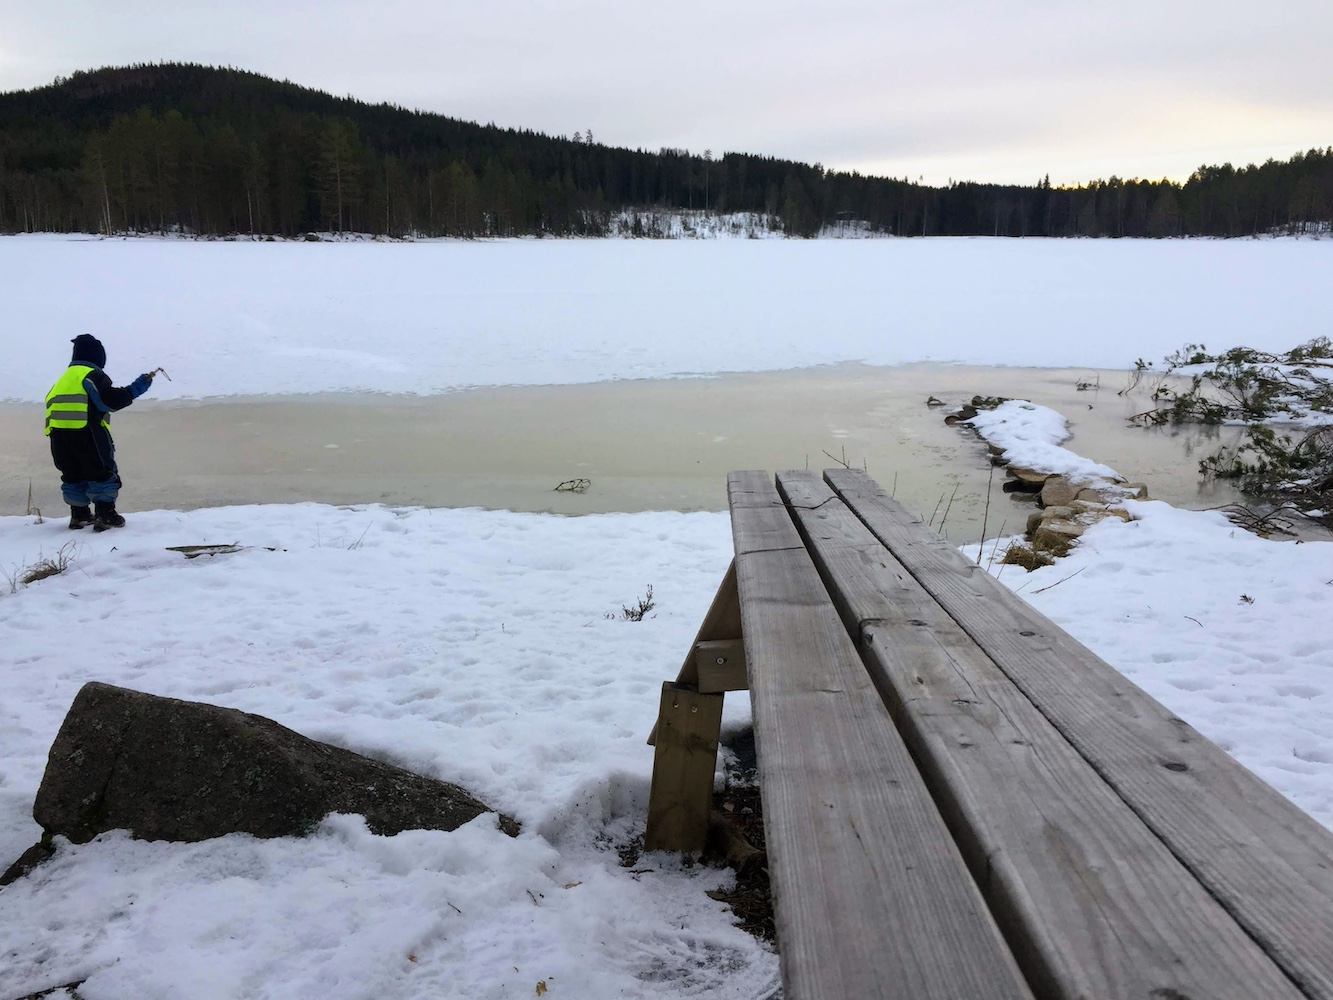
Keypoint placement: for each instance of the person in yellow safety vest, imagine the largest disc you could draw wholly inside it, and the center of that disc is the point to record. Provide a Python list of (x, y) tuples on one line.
[(78, 422)]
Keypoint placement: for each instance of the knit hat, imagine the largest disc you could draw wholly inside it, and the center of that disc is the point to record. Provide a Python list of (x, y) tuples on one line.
[(88, 350)]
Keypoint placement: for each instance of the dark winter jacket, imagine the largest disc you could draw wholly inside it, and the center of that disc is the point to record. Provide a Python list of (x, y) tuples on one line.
[(89, 454)]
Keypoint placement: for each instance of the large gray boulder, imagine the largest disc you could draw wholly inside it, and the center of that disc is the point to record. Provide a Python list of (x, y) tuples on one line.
[(166, 769)]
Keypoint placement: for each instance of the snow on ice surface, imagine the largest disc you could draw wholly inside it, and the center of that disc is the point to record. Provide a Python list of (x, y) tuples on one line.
[(249, 318), (1031, 436)]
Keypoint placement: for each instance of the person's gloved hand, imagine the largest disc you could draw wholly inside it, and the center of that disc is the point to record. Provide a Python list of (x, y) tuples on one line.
[(140, 385)]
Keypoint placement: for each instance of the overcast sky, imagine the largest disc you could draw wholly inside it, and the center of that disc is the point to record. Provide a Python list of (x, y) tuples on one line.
[(974, 89)]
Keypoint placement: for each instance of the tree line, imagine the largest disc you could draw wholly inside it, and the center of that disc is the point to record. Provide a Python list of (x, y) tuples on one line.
[(194, 149)]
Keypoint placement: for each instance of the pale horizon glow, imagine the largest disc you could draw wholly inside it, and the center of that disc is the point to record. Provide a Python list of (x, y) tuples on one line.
[(971, 91)]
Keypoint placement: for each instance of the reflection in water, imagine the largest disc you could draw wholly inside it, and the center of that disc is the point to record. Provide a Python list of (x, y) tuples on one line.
[(645, 445)]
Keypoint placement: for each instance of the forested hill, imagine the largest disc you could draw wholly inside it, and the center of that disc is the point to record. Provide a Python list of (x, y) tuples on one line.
[(220, 151)]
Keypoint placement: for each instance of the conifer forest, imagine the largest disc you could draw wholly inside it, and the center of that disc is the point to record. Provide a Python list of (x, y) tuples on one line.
[(198, 150)]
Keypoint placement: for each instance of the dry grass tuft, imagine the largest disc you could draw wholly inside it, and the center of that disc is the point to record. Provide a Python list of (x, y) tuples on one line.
[(1052, 544), (45, 568), (1027, 557), (42, 569)]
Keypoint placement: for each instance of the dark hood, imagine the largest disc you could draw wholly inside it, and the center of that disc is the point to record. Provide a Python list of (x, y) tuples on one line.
[(88, 350)]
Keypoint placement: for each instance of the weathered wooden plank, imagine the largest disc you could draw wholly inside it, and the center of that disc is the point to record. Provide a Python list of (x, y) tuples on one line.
[(1268, 863), (1092, 903), (685, 758), (720, 664), (767, 526), (871, 897)]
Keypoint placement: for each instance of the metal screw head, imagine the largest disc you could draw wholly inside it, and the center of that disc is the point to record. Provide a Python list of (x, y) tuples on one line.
[(721, 660), (694, 708)]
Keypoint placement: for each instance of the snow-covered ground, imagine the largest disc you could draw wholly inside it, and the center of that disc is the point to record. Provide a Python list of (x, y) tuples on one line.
[(260, 318), (700, 225), (475, 645), (1031, 437)]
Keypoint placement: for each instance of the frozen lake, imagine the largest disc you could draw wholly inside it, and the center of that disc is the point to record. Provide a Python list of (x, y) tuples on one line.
[(256, 319), (485, 373), (644, 444)]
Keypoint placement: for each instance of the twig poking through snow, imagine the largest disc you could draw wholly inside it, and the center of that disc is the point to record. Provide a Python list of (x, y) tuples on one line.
[(946, 511), (1058, 582), (995, 548), (986, 514)]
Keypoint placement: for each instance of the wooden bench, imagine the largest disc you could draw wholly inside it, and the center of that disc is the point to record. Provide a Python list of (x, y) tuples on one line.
[(961, 802)]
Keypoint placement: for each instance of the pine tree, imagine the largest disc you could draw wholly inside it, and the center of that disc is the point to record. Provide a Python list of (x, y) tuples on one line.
[(256, 184), (339, 172), (94, 172)]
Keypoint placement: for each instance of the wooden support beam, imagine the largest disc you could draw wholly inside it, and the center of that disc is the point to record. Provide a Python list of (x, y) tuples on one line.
[(689, 723), (723, 621), (688, 727), (720, 665)]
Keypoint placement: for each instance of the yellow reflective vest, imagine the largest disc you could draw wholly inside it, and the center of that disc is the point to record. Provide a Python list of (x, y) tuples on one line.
[(67, 402)]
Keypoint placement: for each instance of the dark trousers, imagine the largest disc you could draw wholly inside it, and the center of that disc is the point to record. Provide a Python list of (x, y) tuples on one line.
[(87, 462)]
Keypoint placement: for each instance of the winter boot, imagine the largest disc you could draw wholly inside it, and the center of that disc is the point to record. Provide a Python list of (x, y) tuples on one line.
[(107, 517), (80, 517)]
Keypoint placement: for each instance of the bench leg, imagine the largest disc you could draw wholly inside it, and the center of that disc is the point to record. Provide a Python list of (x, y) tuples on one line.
[(688, 727), (689, 724), (723, 622)]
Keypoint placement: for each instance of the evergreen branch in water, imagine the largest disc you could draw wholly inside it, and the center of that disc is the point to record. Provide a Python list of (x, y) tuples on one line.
[(1285, 403)]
